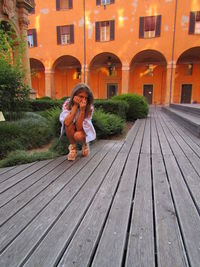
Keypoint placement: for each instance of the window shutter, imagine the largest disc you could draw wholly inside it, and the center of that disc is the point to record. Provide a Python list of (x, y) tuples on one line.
[(58, 35), (112, 1), (141, 28), (98, 2), (57, 4), (97, 26), (70, 4), (71, 34), (192, 23), (158, 25), (112, 30), (34, 37)]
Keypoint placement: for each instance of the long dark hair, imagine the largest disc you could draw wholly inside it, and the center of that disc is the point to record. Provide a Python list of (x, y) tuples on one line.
[(77, 89)]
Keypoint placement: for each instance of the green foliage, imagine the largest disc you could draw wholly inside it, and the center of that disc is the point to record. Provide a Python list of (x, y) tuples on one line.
[(60, 146), (13, 91), (138, 106), (21, 157), (30, 132), (107, 124), (52, 115), (117, 107), (44, 104)]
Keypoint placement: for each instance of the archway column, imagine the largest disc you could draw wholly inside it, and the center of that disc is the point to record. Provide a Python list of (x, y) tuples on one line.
[(49, 83), (85, 73), (23, 25), (170, 78), (125, 78)]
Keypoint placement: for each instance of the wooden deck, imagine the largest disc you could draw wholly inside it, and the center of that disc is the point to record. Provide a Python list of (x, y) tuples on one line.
[(130, 203)]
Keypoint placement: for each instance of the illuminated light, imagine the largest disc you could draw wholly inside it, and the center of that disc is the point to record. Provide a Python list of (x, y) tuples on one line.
[(195, 5), (37, 23), (121, 18), (152, 11)]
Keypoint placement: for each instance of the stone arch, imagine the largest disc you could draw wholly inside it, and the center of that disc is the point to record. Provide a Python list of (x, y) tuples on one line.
[(67, 73), (105, 75), (187, 78), (148, 75), (37, 77)]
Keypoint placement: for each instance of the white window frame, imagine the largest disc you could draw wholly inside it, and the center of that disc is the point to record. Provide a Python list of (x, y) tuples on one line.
[(105, 2), (197, 27), (65, 39), (64, 8), (30, 40), (105, 33)]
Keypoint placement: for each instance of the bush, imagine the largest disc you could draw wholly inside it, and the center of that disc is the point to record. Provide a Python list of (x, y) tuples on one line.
[(117, 107), (44, 104), (21, 157), (138, 106), (107, 124), (60, 146), (52, 115), (30, 132)]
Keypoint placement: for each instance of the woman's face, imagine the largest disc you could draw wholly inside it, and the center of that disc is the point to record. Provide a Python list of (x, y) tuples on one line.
[(83, 96)]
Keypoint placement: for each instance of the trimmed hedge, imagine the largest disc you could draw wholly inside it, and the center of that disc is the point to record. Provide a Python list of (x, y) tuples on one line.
[(138, 106), (117, 107), (44, 104)]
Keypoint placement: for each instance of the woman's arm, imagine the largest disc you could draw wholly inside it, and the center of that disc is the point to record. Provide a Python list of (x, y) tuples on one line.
[(79, 122)]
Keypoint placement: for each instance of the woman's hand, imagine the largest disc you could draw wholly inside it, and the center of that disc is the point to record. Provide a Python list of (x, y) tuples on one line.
[(76, 100), (83, 104)]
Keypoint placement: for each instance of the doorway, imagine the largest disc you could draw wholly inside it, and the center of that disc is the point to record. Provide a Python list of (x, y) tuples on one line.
[(148, 92), (111, 90), (186, 93)]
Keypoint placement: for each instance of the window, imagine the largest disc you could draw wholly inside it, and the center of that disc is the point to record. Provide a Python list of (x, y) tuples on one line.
[(105, 31), (194, 26), (150, 26), (32, 38), (104, 2), (65, 34), (64, 4)]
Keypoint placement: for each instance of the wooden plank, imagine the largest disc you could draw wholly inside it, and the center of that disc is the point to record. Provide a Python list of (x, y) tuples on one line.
[(187, 213), (6, 169), (170, 249), (83, 244), (146, 138), (190, 139), (11, 171), (155, 145), (34, 207), (19, 195), (30, 180), (140, 251), (29, 239), (5, 185)]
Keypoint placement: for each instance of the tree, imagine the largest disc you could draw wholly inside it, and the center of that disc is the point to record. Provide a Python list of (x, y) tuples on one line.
[(13, 91)]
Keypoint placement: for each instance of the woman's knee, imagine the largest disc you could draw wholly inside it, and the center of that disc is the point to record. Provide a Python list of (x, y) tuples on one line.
[(79, 136)]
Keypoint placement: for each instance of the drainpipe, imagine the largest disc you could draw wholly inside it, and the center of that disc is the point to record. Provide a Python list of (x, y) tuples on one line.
[(173, 46), (84, 42)]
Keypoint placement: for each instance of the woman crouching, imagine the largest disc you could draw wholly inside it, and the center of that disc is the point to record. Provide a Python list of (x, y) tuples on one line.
[(76, 117)]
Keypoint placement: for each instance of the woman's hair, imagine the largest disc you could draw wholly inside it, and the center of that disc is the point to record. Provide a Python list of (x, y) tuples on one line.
[(77, 89)]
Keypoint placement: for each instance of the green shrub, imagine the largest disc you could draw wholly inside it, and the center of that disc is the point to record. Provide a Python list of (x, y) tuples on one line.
[(107, 124), (30, 132), (44, 98), (117, 107), (21, 157), (138, 107), (60, 146), (43, 104), (52, 115)]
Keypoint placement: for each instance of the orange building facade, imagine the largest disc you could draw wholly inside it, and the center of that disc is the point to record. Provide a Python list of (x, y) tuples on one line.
[(149, 47)]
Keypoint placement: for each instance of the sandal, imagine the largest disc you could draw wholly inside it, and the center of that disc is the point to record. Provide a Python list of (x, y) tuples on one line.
[(72, 152), (85, 150)]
